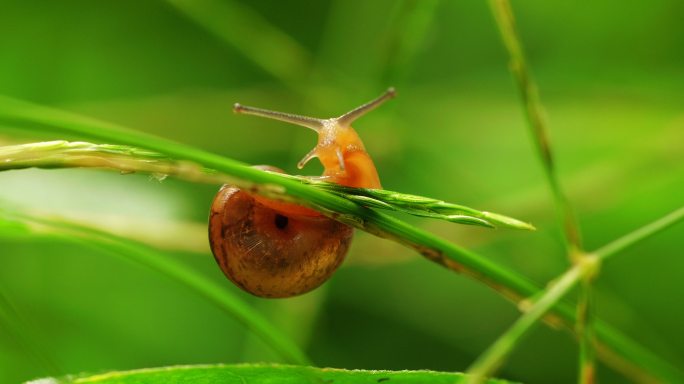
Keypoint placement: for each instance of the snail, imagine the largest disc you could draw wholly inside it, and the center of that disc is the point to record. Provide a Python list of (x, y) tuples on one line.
[(274, 249)]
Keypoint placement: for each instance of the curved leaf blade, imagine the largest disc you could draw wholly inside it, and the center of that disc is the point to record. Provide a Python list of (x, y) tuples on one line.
[(262, 374)]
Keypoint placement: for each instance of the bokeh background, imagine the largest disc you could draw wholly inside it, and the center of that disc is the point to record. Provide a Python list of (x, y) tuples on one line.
[(611, 75)]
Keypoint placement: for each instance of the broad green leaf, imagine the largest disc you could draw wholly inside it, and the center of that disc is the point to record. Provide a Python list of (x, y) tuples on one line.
[(262, 374)]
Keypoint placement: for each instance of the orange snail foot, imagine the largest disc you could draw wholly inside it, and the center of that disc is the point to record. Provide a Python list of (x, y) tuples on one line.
[(270, 254)]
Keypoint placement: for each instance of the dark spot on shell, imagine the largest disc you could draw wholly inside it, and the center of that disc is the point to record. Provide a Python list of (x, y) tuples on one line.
[(280, 221)]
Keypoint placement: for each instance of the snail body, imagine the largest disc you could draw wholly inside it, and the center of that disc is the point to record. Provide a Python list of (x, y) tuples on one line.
[(274, 249)]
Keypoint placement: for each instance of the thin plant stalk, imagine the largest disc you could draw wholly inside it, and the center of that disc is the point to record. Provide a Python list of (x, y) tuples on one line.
[(584, 330), (493, 357), (503, 14), (639, 235), (505, 20), (126, 159)]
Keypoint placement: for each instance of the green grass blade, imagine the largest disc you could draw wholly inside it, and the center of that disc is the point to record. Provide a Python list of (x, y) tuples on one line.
[(494, 356), (640, 234), (534, 110), (585, 332), (582, 271), (503, 14), (64, 154)]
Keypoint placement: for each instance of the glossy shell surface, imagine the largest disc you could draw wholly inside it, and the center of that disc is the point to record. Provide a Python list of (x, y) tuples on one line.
[(270, 254)]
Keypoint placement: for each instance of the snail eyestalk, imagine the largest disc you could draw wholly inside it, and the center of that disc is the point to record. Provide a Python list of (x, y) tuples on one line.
[(355, 113), (312, 154), (312, 122), (304, 121)]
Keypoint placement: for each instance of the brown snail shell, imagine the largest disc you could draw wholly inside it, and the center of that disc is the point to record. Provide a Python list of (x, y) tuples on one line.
[(270, 254)]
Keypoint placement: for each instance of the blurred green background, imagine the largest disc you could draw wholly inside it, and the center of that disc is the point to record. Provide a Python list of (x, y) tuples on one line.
[(611, 74)]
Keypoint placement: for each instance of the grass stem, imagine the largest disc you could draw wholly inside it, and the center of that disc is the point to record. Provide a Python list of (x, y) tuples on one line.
[(505, 20), (585, 332), (583, 272), (126, 159), (534, 110), (639, 235), (494, 356)]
